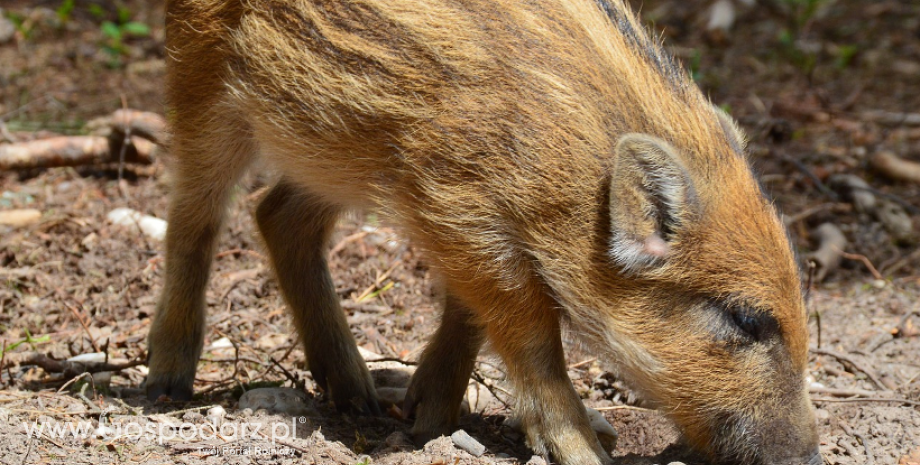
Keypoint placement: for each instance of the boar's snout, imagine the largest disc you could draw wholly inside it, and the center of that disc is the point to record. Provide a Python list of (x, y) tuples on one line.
[(777, 441)]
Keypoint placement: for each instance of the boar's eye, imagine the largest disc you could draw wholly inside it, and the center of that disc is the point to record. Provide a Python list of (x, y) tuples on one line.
[(755, 324)]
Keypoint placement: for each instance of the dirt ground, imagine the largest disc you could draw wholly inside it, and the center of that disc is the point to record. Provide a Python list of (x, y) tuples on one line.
[(807, 86)]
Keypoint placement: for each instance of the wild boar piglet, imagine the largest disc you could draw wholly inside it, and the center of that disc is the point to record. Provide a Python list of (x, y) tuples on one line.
[(555, 165)]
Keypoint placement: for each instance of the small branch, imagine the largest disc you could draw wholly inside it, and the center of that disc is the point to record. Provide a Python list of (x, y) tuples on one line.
[(73, 369), (72, 151), (841, 392), (892, 118), (624, 407), (895, 167), (492, 389), (892, 269), (150, 126), (865, 261), (870, 399), (846, 359)]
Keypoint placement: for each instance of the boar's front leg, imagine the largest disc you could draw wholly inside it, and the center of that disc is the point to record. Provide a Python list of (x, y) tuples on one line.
[(203, 174), (296, 226), (552, 414), (439, 384), (530, 343)]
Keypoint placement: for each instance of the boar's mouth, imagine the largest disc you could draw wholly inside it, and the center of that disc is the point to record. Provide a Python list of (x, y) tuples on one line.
[(739, 441)]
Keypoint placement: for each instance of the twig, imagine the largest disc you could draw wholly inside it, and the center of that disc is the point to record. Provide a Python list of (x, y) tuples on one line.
[(370, 289), (841, 392), (3, 358), (870, 457), (895, 167), (890, 270), (70, 151), (147, 125), (299, 383), (72, 380), (809, 212), (582, 363), (479, 379), (349, 305), (892, 118), (285, 443), (869, 399), (5, 133), (193, 409), (865, 261), (851, 451), (73, 369), (79, 318), (92, 405), (392, 359), (846, 359), (28, 451), (124, 148), (624, 407), (810, 175), (240, 251), (347, 240)]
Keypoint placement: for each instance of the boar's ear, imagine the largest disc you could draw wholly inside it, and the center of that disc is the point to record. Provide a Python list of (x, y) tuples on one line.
[(736, 137), (651, 196)]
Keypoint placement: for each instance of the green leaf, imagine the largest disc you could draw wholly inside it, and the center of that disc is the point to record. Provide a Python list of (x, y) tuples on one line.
[(124, 15), (110, 30), (136, 29), (96, 10)]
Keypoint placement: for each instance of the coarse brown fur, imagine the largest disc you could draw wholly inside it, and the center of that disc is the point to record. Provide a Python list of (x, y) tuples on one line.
[(556, 166)]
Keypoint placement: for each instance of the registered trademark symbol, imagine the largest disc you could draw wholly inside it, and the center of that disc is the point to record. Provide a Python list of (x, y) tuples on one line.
[(302, 419)]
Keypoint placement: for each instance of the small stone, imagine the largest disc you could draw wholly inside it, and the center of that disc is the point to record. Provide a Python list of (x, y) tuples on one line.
[(103, 432), (441, 446), (536, 460), (216, 415), (466, 442), (276, 400), (821, 414), (399, 440), (7, 29), (606, 434), (192, 417), (391, 395), (152, 227), (676, 463)]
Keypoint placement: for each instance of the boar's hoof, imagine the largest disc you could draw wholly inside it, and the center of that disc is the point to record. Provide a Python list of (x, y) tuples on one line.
[(174, 389), (357, 401)]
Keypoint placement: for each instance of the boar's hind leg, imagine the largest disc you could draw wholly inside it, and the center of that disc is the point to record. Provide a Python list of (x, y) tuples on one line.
[(204, 171), (439, 384), (296, 226), (552, 414)]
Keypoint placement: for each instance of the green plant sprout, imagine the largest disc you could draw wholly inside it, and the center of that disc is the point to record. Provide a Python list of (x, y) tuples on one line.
[(29, 339)]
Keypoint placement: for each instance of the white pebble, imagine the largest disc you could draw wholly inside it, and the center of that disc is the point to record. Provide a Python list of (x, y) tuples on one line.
[(152, 227), (92, 357), (277, 400), (216, 415), (466, 442)]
